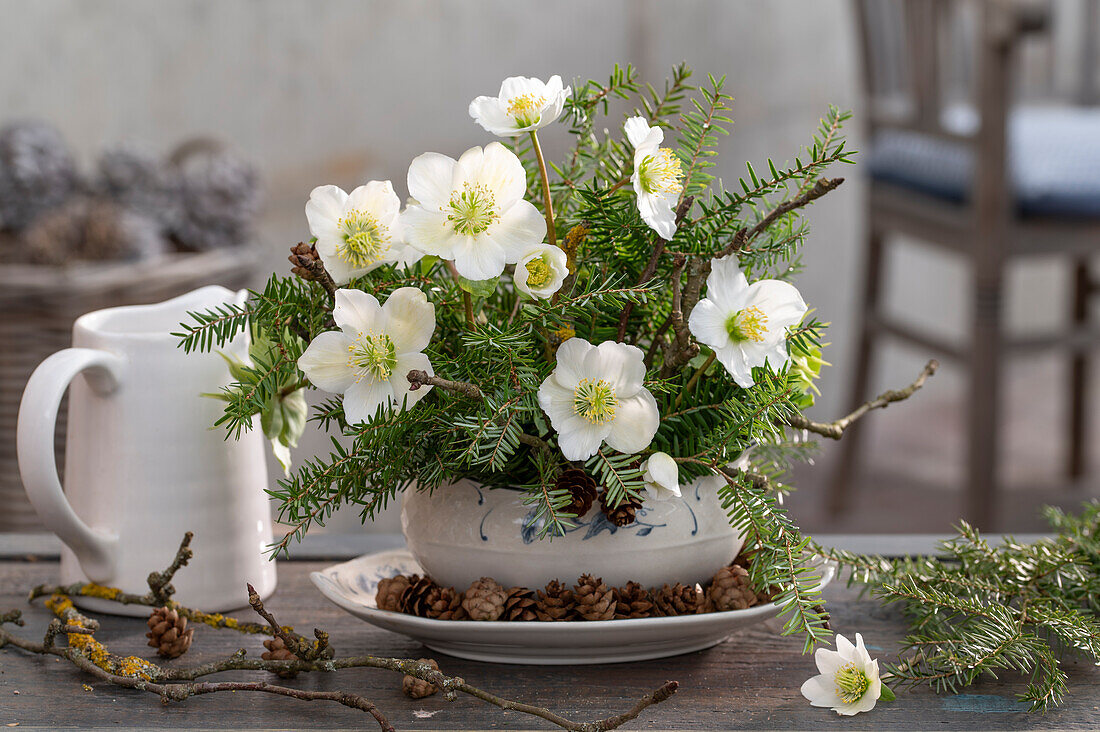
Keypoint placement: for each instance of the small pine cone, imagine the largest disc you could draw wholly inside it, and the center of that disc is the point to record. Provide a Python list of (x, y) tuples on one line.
[(428, 600), (415, 688), (277, 651), (623, 514), (633, 601), (91, 229), (730, 589), (554, 603), (520, 605), (594, 600), (168, 633), (418, 596), (679, 600), (485, 600), (390, 590), (304, 257), (37, 172), (219, 197), (582, 490)]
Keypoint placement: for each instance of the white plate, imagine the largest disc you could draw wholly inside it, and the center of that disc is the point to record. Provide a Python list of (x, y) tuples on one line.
[(352, 586)]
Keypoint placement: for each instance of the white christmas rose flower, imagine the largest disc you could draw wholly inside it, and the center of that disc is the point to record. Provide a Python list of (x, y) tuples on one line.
[(358, 231), (541, 271), (367, 360), (745, 324), (472, 210), (523, 105), (848, 681), (661, 477), (595, 395), (657, 176)]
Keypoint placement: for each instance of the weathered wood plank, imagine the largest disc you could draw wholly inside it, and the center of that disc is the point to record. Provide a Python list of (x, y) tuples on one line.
[(749, 682)]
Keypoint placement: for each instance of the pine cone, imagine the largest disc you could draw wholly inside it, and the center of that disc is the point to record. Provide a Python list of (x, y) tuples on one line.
[(520, 605), (415, 688), (730, 589), (582, 490), (745, 560), (136, 180), (390, 589), (623, 514), (168, 633), (679, 600), (219, 197), (304, 258), (633, 601), (91, 229), (595, 600), (426, 599), (277, 651), (485, 600), (37, 172), (554, 603)]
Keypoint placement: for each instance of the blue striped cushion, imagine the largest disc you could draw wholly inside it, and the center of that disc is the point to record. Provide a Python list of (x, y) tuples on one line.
[(1054, 161)]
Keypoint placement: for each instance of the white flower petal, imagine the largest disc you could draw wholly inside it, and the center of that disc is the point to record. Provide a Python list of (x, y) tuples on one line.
[(727, 284), (554, 258), (641, 135), (502, 171), (662, 477), (734, 362), (821, 692), (429, 179), (357, 312), (325, 362), (828, 661), (399, 381), (657, 212), (410, 319), (519, 228), (557, 401), (340, 271), (619, 363), (571, 358), (517, 86), (781, 301), (845, 648), (493, 116), (428, 232), (479, 258), (324, 209), (363, 398), (636, 422), (582, 442), (377, 198), (708, 324)]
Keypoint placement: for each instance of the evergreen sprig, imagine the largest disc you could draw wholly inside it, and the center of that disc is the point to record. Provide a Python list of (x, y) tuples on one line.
[(977, 610)]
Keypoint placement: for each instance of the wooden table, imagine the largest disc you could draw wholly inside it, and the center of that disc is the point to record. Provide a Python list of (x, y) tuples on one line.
[(749, 682)]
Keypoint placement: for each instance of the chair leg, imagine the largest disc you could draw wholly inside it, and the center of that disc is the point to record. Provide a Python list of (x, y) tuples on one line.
[(985, 367), (1077, 397), (841, 485)]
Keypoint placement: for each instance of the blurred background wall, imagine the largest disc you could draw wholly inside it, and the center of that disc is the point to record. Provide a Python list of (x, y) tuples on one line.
[(341, 91)]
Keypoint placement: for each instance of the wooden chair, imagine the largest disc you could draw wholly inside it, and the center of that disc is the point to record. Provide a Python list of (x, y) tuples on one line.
[(988, 181)]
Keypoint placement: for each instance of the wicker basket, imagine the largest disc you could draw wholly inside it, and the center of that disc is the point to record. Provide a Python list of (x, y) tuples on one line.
[(37, 308)]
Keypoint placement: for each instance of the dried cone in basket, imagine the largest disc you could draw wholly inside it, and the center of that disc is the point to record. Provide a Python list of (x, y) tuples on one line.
[(622, 514), (730, 589), (485, 600), (415, 688), (520, 605), (679, 599), (554, 603), (168, 633), (390, 590), (277, 651), (581, 488), (633, 601), (594, 600)]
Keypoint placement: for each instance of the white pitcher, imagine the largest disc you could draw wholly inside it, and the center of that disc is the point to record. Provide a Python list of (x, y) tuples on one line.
[(142, 462)]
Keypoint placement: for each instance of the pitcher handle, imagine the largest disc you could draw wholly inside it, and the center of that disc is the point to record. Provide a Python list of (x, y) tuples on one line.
[(94, 548)]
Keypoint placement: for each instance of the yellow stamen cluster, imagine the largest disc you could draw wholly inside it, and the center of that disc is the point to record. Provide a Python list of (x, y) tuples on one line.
[(851, 683), (373, 353), (661, 172), (473, 209), (594, 401), (750, 324), (526, 109), (366, 241), (539, 272)]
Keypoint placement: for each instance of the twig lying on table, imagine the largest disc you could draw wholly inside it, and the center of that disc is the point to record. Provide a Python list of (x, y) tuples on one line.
[(835, 429), (179, 683)]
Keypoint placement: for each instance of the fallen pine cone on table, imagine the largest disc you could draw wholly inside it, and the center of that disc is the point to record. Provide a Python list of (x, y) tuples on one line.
[(277, 651), (415, 688), (168, 633)]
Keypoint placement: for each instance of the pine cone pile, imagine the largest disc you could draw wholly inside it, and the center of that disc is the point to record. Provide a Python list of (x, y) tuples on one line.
[(581, 488), (594, 600), (555, 602), (168, 633), (415, 688), (485, 600)]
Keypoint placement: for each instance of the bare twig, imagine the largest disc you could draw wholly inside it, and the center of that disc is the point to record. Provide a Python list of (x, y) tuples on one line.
[(418, 378), (744, 237), (835, 429), (160, 583)]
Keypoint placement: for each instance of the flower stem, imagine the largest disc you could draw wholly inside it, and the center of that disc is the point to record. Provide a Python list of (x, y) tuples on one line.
[(467, 301), (694, 378), (551, 234)]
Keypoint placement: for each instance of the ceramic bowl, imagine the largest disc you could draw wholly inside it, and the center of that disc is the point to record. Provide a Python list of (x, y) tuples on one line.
[(461, 532)]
